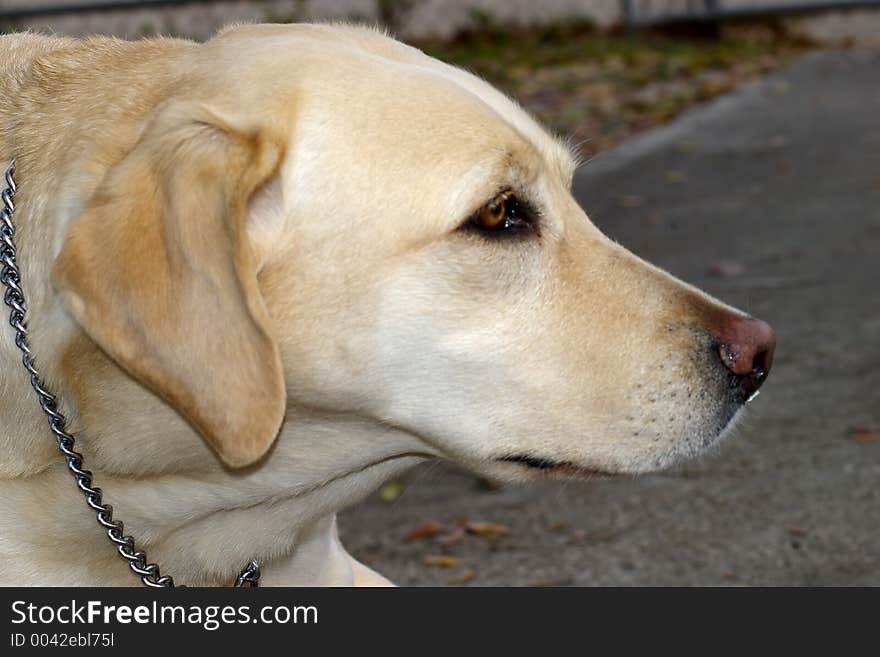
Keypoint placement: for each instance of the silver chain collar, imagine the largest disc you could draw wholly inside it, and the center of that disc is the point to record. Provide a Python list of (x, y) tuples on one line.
[(10, 276)]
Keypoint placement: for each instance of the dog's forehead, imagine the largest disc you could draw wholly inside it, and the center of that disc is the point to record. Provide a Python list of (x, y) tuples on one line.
[(366, 87), (556, 154)]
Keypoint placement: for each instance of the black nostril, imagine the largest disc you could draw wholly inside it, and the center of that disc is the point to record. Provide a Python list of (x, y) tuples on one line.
[(759, 366), (746, 381), (749, 383)]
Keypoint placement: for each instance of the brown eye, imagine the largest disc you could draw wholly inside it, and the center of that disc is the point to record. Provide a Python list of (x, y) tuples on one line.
[(493, 216), (505, 214)]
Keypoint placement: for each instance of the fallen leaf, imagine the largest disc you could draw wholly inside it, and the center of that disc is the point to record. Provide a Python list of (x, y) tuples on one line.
[(487, 529), (391, 491), (488, 484), (675, 177), (781, 87), (452, 537), (463, 577), (442, 561), (865, 433), (425, 530), (727, 269), (549, 583), (796, 532), (631, 201)]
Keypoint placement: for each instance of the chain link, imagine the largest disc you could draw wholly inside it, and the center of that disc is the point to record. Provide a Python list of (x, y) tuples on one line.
[(10, 276), (250, 576)]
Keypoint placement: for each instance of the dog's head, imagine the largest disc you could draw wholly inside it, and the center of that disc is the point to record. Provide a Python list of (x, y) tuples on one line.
[(338, 222)]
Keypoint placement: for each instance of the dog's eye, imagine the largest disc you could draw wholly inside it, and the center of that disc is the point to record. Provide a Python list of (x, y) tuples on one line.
[(504, 215)]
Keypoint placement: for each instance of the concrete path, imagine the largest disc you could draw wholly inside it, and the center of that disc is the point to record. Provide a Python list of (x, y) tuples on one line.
[(770, 199)]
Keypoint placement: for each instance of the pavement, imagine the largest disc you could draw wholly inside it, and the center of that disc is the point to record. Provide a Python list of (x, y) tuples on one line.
[(768, 198)]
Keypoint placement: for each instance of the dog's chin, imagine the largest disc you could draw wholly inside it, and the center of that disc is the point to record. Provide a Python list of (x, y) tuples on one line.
[(528, 466), (525, 466), (728, 421)]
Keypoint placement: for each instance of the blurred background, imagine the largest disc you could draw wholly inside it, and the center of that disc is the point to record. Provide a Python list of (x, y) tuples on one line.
[(594, 70), (735, 143)]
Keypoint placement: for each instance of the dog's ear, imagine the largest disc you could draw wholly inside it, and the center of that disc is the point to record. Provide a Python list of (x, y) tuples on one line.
[(159, 273)]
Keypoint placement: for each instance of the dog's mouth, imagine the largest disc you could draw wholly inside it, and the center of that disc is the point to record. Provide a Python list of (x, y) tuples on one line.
[(551, 468)]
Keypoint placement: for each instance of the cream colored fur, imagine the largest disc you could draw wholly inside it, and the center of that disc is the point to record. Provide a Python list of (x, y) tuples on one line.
[(248, 284)]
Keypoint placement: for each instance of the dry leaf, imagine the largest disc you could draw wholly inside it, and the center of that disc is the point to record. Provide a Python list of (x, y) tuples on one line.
[(551, 583), (425, 530), (865, 433), (452, 537), (463, 577), (391, 491), (442, 561), (781, 87), (796, 532), (486, 529), (727, 269), (488, 484), (631, 201)]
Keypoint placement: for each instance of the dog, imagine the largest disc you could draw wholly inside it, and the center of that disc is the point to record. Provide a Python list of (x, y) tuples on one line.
[(268, 272)]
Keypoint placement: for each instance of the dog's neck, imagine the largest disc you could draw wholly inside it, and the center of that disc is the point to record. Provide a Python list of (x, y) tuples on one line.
[(200, 521), (201, 526)]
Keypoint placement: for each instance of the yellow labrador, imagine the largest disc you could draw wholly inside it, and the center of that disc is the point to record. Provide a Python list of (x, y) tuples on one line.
[(268, 272)]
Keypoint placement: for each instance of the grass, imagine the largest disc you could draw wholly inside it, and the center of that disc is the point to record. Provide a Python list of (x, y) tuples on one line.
[(597, 89)]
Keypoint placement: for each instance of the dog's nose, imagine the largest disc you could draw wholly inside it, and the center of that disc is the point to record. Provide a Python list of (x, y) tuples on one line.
[(746, 346)]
